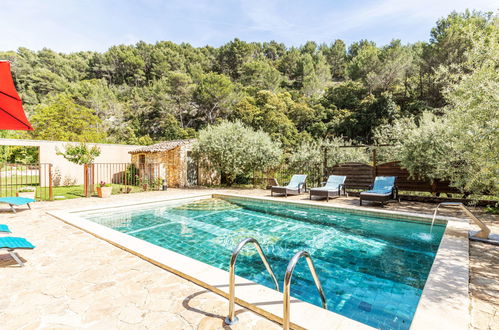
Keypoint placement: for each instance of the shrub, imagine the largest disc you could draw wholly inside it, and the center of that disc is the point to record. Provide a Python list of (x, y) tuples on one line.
[(131, 174), (234, 149)]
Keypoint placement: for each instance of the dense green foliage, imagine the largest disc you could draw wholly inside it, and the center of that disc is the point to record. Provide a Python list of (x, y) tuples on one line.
[(234, 149), (436, 101), (462, 143), (16, 154), (64, 120), (80, 153), (151, 92)]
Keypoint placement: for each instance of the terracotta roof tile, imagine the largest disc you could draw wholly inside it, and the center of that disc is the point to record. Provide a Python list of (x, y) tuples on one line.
[(162, 146)]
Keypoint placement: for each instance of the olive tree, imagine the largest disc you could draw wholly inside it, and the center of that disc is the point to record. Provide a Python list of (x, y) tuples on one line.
[(234, 149), (473, 118), (80, 153), (462, 145)]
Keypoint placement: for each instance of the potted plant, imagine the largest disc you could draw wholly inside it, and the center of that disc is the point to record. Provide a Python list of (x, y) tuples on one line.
[(104, 190), (157, 183), (145, 184), (27, 192)]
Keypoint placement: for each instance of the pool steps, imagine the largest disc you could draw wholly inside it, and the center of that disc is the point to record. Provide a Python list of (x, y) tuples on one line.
[(232, 318)]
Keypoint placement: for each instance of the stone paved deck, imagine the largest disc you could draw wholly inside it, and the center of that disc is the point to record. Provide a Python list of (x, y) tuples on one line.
[(74, 280)]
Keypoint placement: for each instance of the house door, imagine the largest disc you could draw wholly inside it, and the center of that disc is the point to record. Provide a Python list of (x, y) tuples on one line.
[(192, 170)]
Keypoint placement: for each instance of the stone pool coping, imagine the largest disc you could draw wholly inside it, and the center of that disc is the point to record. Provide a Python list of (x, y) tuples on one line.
[(444, 302)]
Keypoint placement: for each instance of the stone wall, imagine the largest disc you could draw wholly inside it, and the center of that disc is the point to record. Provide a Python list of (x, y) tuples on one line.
[(174, 165), (207, 175), (171, 164)]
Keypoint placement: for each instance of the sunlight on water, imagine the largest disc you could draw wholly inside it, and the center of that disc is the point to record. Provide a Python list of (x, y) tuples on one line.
[(424, 236), (372, 269)]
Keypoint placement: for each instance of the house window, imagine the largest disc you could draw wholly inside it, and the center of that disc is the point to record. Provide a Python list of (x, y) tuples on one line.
[(142, 159)]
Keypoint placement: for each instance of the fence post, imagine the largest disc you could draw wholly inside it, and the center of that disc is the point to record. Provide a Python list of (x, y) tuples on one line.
[(325, 171), (88, 178), (42, 190), (51, 193), (1, 171), (85, 180), (375, 165)]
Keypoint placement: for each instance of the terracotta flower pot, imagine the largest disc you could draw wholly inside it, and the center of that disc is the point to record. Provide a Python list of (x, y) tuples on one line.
[(104, 192), (27, 194)]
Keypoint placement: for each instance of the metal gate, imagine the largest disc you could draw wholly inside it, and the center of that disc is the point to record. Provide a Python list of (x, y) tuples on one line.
[(29, 180)]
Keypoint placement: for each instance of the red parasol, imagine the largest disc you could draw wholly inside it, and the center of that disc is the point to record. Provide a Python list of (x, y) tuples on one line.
[(11, 109)]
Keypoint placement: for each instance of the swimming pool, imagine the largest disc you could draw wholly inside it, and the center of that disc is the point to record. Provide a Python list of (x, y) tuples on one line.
[(372, 269)]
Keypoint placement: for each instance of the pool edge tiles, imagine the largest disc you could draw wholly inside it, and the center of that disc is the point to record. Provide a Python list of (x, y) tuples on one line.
[(445, 299), (268, 302)]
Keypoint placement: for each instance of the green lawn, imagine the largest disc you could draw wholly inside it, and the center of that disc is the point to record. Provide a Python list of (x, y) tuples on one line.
[(19, 179), (70, 192)]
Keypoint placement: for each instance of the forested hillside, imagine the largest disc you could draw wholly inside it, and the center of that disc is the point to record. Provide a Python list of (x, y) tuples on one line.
[(151, 92)]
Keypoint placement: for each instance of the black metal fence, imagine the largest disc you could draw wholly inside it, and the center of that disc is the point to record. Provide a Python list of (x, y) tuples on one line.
[(124, 177), (26, 180)]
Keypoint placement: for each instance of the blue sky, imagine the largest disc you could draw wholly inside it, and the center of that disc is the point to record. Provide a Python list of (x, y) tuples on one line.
[(69, 25)]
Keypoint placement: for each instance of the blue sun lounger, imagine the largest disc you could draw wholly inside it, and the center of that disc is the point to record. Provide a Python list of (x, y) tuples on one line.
[(332, 188), (383, 190), (4, 229), (11, 244), (295, 186), (16, 201)]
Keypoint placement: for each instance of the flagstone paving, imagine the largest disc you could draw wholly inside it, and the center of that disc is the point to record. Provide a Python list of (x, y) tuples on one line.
[(73, 280)]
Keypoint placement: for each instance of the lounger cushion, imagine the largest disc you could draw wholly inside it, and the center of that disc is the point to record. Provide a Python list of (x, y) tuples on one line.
[(16, 200), (384, 182), (335, 180), (297, 180), (321, 188), (294, 184), (284, 187), (377, 192), (15, 243), (324, 189), (4, 229)]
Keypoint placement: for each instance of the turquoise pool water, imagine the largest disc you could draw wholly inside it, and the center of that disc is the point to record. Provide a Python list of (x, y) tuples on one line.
[(372, 269)]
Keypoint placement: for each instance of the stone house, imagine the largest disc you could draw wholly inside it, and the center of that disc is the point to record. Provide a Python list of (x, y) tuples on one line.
[(175, 162)]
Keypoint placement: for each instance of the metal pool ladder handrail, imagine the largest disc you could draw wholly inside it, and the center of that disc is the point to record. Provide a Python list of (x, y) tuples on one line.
[(232, 318), (287, 285)]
